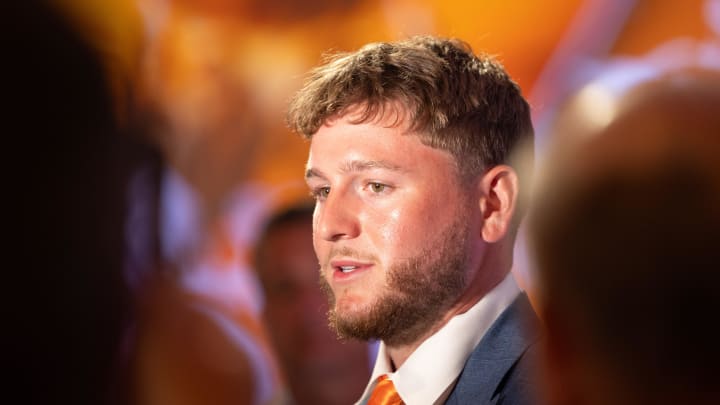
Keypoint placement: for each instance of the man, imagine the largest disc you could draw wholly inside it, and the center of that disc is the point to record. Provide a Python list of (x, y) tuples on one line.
[(416, 215), (319, 368), (625, 230)]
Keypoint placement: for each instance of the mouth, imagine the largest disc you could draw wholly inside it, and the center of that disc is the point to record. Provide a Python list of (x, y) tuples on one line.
[(345, 268)]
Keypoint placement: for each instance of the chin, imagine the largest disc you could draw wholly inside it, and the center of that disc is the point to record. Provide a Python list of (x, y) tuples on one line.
[(352, 306)]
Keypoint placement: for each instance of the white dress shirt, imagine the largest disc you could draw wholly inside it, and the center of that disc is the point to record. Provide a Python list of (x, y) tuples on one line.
[(428, 375)]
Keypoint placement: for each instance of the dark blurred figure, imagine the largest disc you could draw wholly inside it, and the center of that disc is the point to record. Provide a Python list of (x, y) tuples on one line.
[(192, 349), (68, 167), (626, 229), (320, 369)]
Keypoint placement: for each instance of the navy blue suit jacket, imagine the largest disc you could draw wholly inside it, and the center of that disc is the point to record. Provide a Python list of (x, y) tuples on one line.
[(501, 369)]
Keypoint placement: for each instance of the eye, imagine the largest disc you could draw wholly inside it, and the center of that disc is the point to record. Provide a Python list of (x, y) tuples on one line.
[(377, 187), (320, 193)]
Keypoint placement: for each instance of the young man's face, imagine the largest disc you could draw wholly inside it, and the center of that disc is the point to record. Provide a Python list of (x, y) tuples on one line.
[(391, 228)]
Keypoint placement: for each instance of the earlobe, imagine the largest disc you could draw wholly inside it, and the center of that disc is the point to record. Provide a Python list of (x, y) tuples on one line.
[(499, 191)]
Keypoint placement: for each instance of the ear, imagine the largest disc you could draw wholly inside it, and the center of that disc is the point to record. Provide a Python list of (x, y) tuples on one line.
[(498, 198)]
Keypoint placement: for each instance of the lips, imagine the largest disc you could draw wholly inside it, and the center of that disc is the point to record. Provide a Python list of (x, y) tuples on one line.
[(347, 268)]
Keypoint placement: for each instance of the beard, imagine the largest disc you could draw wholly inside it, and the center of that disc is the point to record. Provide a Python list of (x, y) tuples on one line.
[(419, 290)]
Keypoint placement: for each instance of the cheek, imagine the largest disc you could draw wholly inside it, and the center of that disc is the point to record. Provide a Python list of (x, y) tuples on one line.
[(391, 229), (403, 228), (322, 250), (316, 240)]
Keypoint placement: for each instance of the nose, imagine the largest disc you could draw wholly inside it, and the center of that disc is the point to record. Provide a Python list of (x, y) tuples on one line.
[(337, 218)]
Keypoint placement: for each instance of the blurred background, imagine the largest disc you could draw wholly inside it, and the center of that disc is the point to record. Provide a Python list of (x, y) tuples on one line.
[(215, 75), (206, 83)]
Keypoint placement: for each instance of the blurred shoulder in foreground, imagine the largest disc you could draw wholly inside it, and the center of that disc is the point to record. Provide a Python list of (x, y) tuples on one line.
[(69, 162)]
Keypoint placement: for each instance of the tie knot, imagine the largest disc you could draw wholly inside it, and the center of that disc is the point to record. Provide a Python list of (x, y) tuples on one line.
[(384, 393)]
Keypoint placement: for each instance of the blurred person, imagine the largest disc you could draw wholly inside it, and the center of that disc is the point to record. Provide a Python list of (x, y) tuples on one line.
[(70, 163), (201, 339), (416, 214), (624, 230), (319, 368), (193, 350)]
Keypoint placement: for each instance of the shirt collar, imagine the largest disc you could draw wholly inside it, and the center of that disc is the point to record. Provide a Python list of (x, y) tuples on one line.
[(422, 379)]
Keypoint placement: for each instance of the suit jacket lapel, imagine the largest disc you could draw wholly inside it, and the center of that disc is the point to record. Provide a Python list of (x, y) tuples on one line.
[(503, 344)]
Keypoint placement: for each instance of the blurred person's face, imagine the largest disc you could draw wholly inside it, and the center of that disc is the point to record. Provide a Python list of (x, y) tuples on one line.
[(391, 228), (319, 367)]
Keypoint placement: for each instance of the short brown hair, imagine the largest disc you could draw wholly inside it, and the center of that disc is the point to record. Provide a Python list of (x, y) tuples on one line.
[(457, 101)]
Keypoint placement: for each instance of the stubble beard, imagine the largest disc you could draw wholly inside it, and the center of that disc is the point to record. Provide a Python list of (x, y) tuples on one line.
[(418, 292)]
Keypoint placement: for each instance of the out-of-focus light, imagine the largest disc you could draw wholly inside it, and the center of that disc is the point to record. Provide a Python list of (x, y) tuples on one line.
[(596, 104), (712, 15)]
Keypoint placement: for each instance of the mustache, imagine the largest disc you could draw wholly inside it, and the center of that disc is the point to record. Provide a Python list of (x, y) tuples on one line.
[(348, 252)]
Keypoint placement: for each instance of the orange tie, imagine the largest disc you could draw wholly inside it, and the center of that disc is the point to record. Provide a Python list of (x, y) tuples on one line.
[(384, 393)]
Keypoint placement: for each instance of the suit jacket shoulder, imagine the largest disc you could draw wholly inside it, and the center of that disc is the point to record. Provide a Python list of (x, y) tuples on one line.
[(501, 369)]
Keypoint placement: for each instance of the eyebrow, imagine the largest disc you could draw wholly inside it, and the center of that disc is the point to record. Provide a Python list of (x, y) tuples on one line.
[(358, 166)]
